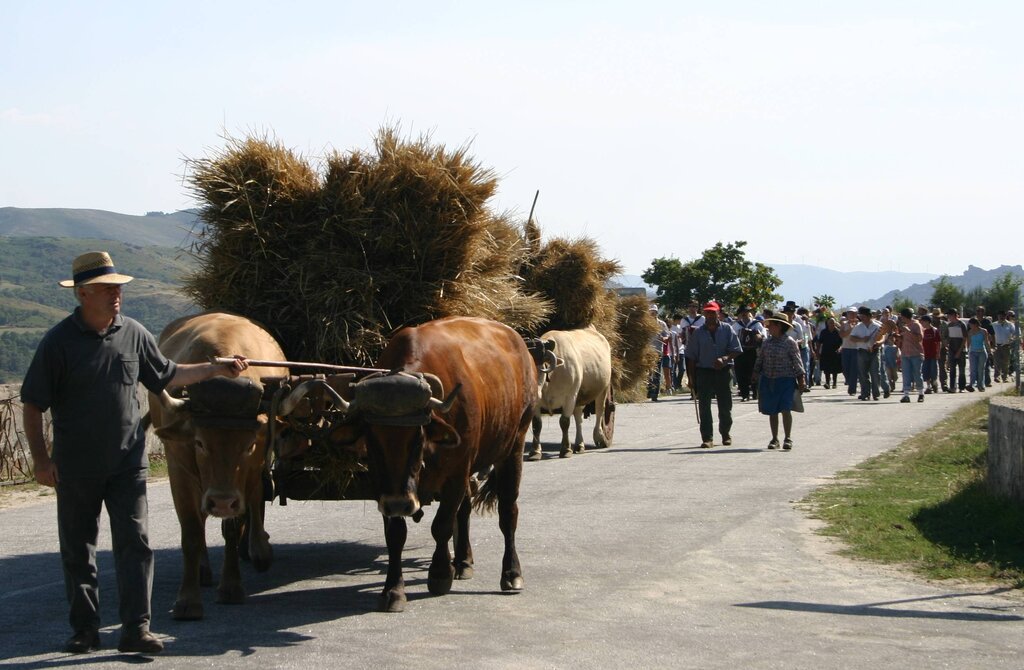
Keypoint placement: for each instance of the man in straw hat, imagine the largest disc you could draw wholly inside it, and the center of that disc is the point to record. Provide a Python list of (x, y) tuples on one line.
[(710, 352), (86, 371)]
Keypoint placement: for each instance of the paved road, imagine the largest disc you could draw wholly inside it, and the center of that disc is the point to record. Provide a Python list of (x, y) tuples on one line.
[(650, 554)]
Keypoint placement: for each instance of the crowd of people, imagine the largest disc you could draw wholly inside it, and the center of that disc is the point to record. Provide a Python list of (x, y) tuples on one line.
[(773, 358)]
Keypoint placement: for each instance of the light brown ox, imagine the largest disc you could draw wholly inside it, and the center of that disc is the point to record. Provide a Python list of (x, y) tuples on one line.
[(583, 377), (216, 447)]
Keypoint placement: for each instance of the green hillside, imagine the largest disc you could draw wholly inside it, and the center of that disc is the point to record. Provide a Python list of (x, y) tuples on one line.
[(153, 229), (31, 301)]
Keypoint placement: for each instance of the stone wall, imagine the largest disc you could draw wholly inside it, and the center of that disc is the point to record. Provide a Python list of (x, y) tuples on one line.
[(1006, 447)]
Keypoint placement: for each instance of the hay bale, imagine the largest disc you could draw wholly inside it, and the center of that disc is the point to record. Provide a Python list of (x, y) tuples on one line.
[(573, 274), (636, 357), (333, 265)]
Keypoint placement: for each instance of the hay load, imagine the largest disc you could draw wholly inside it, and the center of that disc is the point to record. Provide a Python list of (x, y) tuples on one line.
[(333, 256), (573, 275), (333, 264)]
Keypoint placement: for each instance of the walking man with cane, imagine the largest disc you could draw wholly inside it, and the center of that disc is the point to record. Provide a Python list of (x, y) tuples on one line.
[(710, 352)]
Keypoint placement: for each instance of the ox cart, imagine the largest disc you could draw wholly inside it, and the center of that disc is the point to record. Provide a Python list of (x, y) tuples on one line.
[(309, 457)]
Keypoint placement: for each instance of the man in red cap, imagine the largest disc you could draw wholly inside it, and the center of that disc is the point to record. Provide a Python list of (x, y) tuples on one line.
[(710, 352)]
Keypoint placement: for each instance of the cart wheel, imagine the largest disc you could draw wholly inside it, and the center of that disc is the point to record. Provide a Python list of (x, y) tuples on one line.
[(608, 419)]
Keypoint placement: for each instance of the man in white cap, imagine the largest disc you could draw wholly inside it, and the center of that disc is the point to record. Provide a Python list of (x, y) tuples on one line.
[(86, 371)]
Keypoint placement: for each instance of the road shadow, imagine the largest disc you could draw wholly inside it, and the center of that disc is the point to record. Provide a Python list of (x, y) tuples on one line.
[(552, 450), (884, 609), (308, 583), (700, 451)]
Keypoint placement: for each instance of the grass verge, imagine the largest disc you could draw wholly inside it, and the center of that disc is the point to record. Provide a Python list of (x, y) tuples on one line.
[(924, 507)]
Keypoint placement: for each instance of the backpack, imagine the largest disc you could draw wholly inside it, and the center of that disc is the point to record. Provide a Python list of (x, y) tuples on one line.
[(748, 337)]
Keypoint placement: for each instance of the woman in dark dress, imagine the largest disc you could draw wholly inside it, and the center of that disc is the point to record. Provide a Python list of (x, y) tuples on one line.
[(829, 343)]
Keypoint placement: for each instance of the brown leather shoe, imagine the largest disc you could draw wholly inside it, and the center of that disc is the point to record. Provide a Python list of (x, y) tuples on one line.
[(83, 642), (142, 642)]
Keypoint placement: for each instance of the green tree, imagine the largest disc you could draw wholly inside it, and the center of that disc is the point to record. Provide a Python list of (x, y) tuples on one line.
[(667, 275), (827, 301), (976, 296), (901, 302), (945, 294), (1002, 294), (722, 273)]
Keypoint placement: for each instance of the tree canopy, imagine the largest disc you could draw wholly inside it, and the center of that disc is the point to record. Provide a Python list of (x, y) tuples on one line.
[(946, 294), (722, 273), (1001, 295)]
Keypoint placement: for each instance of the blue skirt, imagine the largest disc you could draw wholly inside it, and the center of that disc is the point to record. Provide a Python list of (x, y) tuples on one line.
[(775, 395)]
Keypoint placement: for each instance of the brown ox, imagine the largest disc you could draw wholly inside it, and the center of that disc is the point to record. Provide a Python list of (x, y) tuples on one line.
[(216, 446), (421, 449)]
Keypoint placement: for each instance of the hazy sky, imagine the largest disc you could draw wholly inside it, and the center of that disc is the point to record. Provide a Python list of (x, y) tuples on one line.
[(851, 135)]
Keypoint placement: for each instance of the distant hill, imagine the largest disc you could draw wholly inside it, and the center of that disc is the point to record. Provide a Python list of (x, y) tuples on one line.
[(31, 301), (153, 229), (802, 282), (973, 278)]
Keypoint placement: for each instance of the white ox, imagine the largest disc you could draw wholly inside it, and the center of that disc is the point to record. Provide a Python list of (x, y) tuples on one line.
[(583, 376)]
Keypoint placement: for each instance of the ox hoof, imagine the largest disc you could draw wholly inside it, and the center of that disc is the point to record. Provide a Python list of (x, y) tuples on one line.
[(439, 586), (512, 583), (464, 572), (579, 449), (186, 611), (392, 601), (565, 453), (262, 560), (534, 455), (230, 595)]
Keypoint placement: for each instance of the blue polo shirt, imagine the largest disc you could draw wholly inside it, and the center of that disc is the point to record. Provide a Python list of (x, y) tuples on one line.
[(703, 348), (89, 382)]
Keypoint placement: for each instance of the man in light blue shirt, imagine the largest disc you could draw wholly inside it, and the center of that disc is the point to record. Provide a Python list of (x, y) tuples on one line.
[(710, 352), (1004, 334)]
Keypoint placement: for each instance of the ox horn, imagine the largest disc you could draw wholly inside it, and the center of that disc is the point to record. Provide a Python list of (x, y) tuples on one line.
[(172, 404), (549, 363), (435, 403), (289, 404)]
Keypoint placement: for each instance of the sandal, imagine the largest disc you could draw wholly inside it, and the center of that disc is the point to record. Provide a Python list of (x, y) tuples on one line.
[(774, 444), (787, 444)]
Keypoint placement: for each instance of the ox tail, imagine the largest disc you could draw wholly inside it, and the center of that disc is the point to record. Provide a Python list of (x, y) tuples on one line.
[(485, 499)]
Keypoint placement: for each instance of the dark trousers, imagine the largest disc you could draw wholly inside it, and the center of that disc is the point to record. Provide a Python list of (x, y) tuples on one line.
[(79, 502), (943, 356), (957, 363), (848, 359), (744, 370), (715, 384), (654, 381), (868, 363)]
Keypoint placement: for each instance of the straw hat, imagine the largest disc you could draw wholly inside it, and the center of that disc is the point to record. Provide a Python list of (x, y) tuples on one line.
[(780, 318), (94, 267)]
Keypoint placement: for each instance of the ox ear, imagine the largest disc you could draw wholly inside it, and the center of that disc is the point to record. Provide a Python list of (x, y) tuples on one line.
[(181, 430), (440, 433)]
